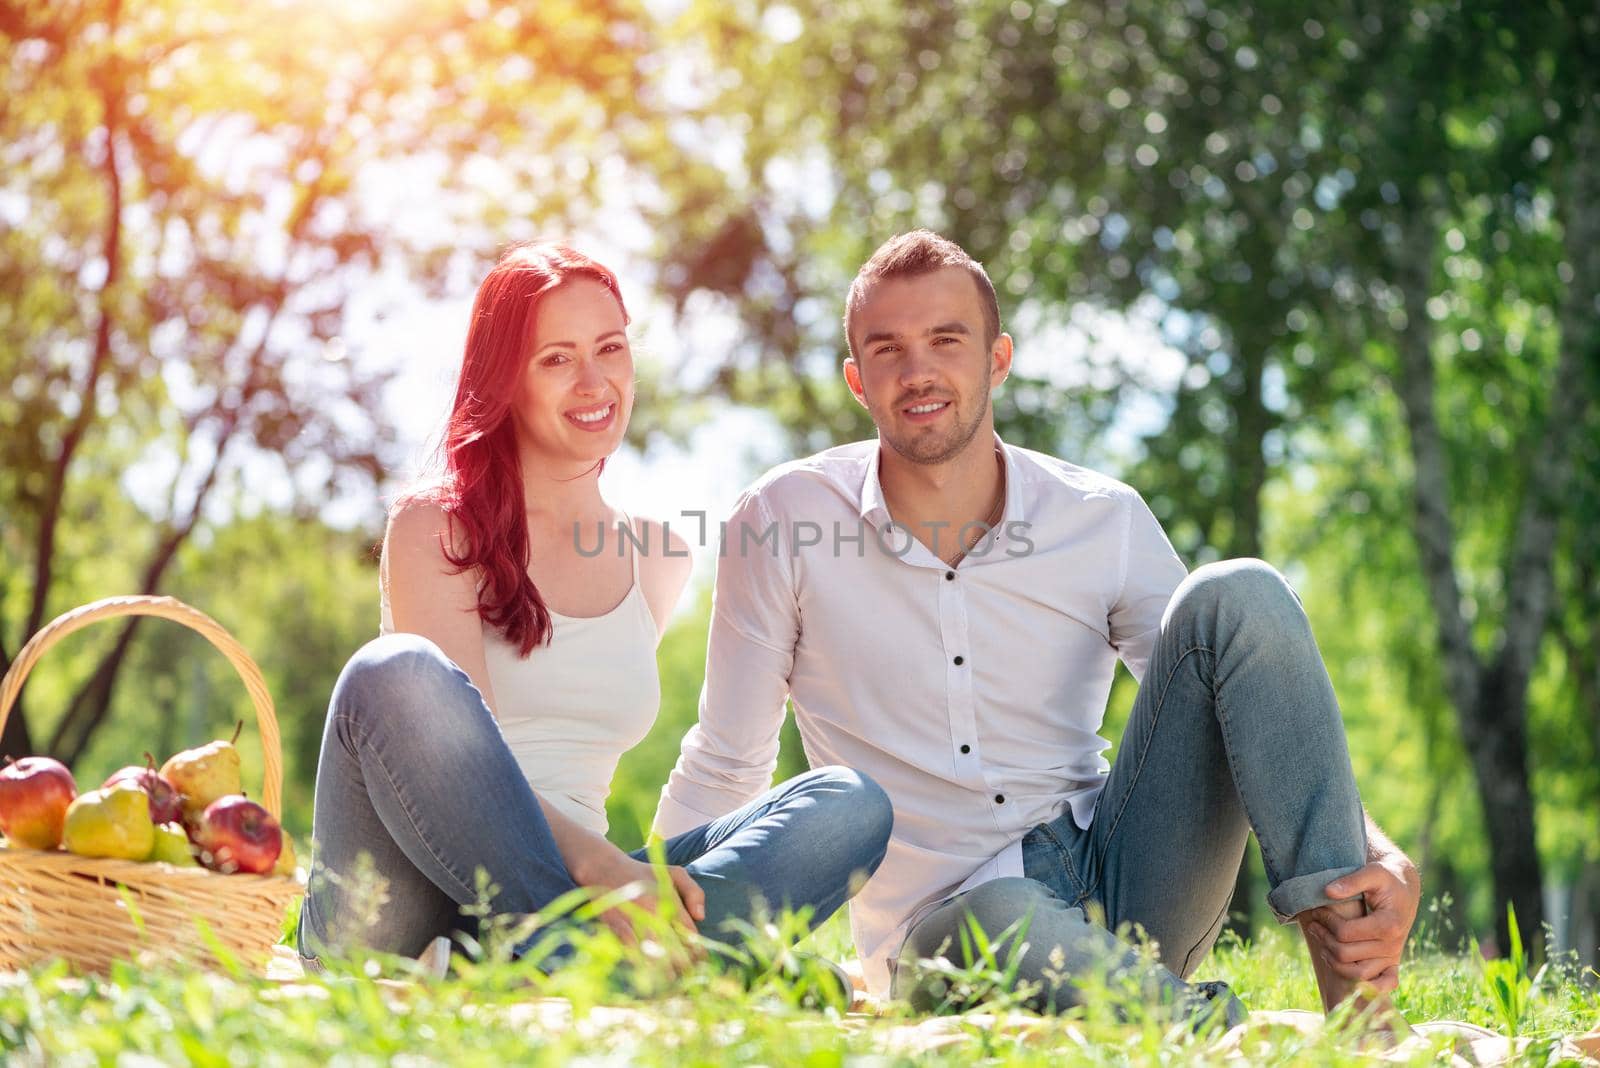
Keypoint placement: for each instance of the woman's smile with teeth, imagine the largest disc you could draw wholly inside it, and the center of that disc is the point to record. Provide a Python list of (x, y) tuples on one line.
[(594, 416)]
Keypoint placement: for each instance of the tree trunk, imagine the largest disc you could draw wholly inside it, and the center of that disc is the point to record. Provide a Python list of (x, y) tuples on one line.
[(92, 702), (16, 740), (1490, 705), (1497, 747), (1501, 711)]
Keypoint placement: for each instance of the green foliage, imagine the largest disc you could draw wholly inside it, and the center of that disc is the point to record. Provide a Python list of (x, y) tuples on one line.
[(619, 1003), (989, 976), (1511, 990)]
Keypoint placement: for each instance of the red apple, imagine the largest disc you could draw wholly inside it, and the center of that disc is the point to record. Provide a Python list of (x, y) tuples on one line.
[(34, 795), (236, 834), (166, 804)]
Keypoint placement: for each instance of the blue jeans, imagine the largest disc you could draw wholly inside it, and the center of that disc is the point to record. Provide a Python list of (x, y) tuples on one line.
[(1235, 728), (417, 788)]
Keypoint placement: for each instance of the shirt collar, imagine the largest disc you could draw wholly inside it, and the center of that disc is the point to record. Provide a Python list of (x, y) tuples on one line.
[(875, 510), (1014, 524)]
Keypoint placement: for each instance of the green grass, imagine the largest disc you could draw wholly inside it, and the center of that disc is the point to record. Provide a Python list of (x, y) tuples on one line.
[(623, 1005)]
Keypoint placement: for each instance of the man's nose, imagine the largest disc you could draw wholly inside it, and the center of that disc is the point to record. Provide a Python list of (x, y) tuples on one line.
[(918, 366)]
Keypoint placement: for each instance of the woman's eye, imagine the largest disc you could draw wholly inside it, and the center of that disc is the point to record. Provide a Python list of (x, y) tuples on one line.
[(610, 347), (553, 360)]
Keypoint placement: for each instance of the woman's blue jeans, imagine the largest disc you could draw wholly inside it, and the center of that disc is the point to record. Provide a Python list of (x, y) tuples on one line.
[(418, 796), (1235, 728)]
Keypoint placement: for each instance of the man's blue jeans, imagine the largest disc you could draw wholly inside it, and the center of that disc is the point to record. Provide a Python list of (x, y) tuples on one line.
[(416, 775), (1235, 728)]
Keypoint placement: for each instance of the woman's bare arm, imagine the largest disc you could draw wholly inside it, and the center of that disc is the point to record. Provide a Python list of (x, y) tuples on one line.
[(426, 598)]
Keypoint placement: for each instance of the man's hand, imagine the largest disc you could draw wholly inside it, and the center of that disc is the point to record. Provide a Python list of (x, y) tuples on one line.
[(1367, 948), (615, 869)]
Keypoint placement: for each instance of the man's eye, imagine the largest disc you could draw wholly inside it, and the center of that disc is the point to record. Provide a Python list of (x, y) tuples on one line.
[(943, 340)]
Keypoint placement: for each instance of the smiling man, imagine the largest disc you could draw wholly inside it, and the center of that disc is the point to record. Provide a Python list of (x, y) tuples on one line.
[(946, 612)]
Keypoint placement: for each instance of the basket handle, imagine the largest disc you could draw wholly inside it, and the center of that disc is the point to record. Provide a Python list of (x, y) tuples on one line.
[(196, 620)]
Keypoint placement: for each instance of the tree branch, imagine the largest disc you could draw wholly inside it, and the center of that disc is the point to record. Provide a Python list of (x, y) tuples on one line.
[(44, 553), (91, 703), (15, 740)]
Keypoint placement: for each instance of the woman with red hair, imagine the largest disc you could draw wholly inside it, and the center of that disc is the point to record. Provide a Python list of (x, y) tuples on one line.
[(474, 741)]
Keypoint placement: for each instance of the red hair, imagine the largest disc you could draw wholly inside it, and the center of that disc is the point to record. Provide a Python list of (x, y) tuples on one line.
[(481, 485)]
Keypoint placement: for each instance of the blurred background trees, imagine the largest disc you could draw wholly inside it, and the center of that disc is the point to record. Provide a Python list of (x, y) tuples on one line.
[(194, 213), (1322, 284), (1369, 223)]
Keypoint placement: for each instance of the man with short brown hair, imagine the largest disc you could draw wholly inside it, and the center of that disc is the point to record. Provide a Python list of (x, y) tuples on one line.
[(961, 653)]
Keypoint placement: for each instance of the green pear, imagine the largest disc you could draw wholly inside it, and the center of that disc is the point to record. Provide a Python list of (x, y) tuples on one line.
[(172, 847), (286, 859), (113, 823), (204, 774)]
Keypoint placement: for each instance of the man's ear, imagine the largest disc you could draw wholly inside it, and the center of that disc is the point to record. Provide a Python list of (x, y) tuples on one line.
[(852, 378), (999, 360)]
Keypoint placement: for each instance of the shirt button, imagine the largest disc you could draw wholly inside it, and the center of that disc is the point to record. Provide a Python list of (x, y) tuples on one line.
[(966, 749), (999, 799), (950, 576), (960, 660)]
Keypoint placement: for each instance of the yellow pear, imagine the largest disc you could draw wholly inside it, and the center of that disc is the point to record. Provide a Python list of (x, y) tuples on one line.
[(286, 859), (205, 773), (172, 847), (110, 823)]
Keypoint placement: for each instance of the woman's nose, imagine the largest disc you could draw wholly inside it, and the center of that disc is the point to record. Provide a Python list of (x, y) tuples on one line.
[(590, 380)]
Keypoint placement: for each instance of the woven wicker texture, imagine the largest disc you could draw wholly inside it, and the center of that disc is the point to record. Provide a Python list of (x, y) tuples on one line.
[(92, 911)]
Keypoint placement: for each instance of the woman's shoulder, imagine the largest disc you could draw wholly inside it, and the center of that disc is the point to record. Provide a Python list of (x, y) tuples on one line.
[(417, 519), (422, 533), (664, 564)]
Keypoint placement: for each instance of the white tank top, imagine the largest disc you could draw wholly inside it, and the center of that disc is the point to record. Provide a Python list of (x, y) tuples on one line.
[(570, 709)]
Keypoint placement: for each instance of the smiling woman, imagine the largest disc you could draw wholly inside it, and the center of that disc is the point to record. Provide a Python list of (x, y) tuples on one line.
[(518, 664), (514, 414), (586, 380)]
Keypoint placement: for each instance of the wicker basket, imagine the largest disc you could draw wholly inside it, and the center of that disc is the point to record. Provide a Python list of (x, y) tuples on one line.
[(54, 904)]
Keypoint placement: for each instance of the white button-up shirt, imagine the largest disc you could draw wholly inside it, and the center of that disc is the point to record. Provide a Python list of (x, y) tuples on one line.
[(974, 696)]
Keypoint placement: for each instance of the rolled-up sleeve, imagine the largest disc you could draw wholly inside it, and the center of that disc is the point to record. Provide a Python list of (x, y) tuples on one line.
[(728, 756), (1151, 572)]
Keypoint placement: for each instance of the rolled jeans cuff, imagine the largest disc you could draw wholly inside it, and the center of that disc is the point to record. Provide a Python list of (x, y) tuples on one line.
[(1293, 896)]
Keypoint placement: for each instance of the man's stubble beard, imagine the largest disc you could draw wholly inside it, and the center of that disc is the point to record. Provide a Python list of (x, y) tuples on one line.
[(937, 451)]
